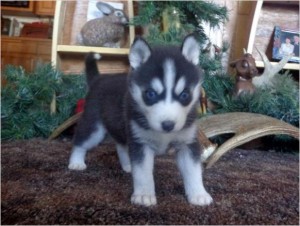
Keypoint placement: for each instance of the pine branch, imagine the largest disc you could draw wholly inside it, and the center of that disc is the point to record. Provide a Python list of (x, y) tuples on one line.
[(26, 100), (280, 101), (190, 14)]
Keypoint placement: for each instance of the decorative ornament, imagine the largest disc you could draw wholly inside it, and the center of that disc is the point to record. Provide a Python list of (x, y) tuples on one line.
[(202, 110), (245, 70), (106, 31), (170, 18)]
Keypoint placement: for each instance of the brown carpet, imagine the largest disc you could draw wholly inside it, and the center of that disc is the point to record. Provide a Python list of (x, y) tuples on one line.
[(248, 187)]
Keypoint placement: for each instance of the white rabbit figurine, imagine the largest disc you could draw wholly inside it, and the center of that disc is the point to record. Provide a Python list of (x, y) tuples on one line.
[(106, 31)]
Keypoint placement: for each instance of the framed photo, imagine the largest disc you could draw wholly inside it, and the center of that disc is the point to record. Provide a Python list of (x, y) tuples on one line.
[(286, 42)]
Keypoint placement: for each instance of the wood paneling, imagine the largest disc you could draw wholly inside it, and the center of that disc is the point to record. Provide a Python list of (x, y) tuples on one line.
[(25, 52), (46, 8)]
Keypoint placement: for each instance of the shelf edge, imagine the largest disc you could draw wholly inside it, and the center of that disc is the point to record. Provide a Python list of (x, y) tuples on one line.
[(86, 49), (253, 28), (289, 66)]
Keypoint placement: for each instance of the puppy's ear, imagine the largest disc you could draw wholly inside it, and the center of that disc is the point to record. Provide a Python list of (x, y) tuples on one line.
[(191, 49), (139, 53)]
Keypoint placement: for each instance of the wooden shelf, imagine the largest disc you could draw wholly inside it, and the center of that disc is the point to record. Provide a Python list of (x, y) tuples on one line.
[(267, 15), (67, 54), (288, 66), (86, 49), (6, 37)]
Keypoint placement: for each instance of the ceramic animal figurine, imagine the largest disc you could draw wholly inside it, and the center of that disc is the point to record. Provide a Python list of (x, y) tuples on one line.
[(106, 31), (245, 70)]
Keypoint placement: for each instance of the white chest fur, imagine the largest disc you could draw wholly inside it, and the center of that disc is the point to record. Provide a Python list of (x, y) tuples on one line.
[(160, 141)]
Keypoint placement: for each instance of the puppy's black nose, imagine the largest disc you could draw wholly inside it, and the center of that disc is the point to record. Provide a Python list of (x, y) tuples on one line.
[(168, 125)]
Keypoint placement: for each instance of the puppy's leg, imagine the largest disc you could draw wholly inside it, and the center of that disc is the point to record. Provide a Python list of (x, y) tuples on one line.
[(189, 164), (86, 137), (142, 173), (124, 157)]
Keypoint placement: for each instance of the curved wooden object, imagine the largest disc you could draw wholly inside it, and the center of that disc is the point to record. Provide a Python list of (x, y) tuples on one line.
[(69, 122), (245, 126)]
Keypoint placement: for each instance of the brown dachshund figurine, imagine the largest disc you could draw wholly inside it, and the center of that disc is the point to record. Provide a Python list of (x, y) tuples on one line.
[(245, 70)]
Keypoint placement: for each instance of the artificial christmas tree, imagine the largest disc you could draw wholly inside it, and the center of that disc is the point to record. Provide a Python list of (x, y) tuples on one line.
[(27, 108)]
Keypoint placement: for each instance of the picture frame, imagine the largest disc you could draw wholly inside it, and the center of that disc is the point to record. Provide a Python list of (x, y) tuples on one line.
[(286, 42)]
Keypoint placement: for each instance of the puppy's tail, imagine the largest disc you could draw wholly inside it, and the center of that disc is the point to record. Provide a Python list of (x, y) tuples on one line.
[(91, 68)]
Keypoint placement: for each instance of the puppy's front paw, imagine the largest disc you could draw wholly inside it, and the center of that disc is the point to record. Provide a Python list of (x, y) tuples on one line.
[(127, 168), (77, 166), (201, 199), (144, 200)]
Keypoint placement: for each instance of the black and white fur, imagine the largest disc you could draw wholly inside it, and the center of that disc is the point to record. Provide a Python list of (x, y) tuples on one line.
[(147, 112)]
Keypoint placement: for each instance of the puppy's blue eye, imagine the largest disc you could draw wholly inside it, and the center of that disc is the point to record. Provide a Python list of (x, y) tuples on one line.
[(150, 97), (184, 95), (150, 94)]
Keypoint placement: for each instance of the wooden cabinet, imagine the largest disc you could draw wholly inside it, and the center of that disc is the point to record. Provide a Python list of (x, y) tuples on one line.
[(68, 55), (31, 7), (25, 7), (46, 8), (25, 52)]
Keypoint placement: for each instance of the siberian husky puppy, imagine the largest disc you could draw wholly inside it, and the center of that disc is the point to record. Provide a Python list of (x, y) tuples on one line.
[(149, 111)]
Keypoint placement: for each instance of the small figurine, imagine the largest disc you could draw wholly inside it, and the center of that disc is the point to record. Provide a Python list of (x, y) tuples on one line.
[(106, 31), (245, 70)]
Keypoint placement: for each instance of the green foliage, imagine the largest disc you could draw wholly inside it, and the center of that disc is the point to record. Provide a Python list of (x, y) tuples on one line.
[(173, 37), (191, 14), (213, 64), (26, 99), (280, 100)]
